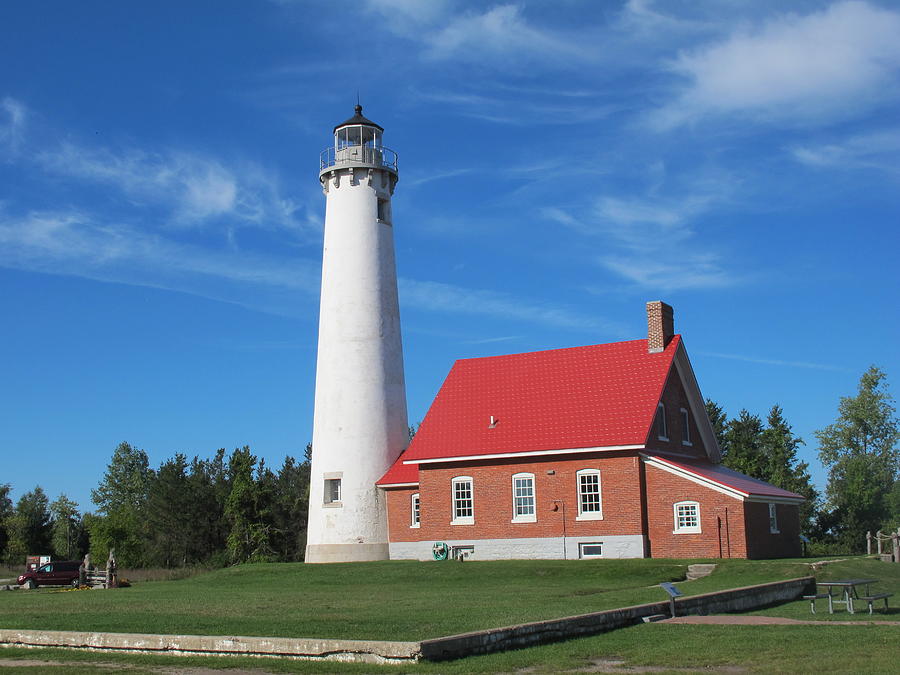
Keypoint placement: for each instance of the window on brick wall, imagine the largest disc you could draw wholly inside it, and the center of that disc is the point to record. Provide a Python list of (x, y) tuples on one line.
[(590, 498), (773, 519), (685, 427), (662, 428), (463, 502), (523, 498), (687, 517), (414, 510)]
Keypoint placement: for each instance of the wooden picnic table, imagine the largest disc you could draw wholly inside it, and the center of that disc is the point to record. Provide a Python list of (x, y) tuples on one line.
[(848, 588)]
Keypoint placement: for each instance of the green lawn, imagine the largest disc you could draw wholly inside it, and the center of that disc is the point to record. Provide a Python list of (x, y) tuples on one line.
[(381, 600), (658, 648), (888, 575), (410, 601)]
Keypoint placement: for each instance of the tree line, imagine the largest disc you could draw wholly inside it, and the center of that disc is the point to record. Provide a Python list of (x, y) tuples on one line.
[(224, 510), (859, 450), (233, 508)]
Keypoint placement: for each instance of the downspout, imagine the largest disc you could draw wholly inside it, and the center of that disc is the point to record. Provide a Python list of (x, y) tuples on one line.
[(727, 532)]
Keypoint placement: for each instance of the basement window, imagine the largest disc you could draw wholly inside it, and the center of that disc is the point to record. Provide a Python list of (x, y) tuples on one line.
[(593, 549)]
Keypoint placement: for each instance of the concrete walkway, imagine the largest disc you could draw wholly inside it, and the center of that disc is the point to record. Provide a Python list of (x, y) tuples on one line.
[(746, 620)]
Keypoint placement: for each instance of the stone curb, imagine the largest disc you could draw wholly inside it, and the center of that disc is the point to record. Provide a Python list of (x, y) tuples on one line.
[(438, 649), (358, 651)]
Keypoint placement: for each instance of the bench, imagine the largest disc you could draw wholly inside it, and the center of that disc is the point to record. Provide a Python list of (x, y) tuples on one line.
[(819, 596), (876, 596)]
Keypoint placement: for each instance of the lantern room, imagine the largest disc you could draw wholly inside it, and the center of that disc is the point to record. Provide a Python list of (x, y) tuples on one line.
[(357, 142)]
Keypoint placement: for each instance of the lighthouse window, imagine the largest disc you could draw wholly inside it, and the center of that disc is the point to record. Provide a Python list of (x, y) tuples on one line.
[(333, 491), (384, 211)]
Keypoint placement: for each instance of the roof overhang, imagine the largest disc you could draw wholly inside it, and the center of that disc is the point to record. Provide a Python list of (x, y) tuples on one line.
[(530, 453), (707, 482)]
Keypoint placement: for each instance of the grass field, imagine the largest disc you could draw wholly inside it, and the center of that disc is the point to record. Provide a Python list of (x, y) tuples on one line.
[(409, 601), (382, 600)]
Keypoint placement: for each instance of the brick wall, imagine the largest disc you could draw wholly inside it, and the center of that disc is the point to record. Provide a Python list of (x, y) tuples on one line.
[(722, 522), (761, 543), (399, 506), (555, 495)]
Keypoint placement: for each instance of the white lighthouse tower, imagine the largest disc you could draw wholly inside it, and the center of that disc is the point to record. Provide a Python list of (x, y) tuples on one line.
[(360, 423)]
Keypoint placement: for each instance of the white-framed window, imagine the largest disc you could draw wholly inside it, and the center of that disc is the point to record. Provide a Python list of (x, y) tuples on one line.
[(590, 498), (463, 501), (662, 429), (773, 519), (333, 491), (523, 498), (414, 510), (687, 517), (685, 427), (590, 549)]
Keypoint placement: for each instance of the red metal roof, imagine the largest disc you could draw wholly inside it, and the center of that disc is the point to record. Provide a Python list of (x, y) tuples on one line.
[(581, 397), (717, 473), (400, 474)]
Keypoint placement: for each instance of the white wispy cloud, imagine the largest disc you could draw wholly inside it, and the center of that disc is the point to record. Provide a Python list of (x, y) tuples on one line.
[(774, 362), (501, 30), (80, 244), (651, 240), (194, 187), (435, 296), (877, 150), (12, 125), (811, 67)]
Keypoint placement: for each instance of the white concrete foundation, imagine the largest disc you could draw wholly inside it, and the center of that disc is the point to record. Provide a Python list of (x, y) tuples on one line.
[(537, 548)]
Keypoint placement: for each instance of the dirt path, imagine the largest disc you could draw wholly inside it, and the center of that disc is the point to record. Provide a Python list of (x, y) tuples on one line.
[(744, 620), (101, 666)]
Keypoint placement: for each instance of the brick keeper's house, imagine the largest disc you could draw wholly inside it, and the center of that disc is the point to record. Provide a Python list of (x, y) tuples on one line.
[(604, 451)]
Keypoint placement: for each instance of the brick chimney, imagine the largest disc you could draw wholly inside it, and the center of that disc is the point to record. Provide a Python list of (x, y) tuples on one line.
[(660, 326)]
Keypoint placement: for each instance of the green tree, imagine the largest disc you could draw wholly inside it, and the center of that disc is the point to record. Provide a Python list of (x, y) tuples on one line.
[(860, 452), (121, 499), (743, 446), (290, 510), (719, 421), (782, 466), (168, 514), (66, 528), (29, 531), (207, 489), (6, 514), (248, 535)]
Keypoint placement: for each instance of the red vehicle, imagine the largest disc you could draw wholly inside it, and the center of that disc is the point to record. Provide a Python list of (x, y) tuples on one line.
[(56, 573)]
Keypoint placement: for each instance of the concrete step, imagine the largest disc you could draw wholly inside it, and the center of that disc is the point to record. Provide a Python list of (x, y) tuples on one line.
[(700, 570)]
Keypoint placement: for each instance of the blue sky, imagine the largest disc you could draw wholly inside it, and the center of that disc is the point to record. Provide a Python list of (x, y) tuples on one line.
[(560, 165)]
